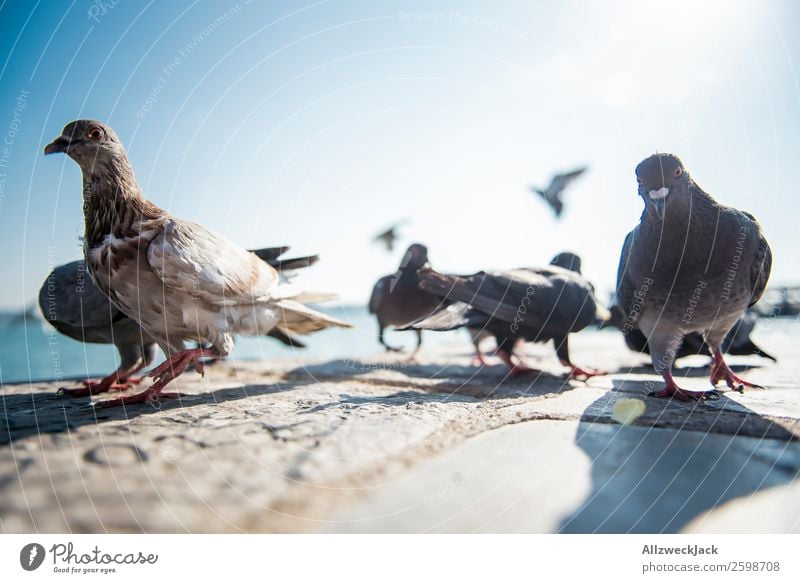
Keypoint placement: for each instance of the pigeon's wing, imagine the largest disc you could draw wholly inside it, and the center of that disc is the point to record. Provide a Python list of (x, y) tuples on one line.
[(762, 265), (561, 181), (196, 261), (378, 293), (625, 288)]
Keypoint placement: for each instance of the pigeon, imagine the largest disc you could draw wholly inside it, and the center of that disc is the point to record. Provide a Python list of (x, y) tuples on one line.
[(178, 280), (559, 183), (397, 299), (737, 342), (74, 306), (566, 260), (529, 304), (389, 236), (691, 265)]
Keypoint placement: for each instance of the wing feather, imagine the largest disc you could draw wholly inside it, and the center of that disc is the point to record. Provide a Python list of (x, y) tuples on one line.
[(191, 259)]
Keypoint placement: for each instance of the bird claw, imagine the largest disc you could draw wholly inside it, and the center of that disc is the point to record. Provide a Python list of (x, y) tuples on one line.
[(721, 372), (95, 387), (682, 395), (576, 372)]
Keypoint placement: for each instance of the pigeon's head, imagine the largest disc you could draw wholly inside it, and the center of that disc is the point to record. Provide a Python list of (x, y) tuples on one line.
[(567, 260), (93, 145), (416, 256), (661, 177)]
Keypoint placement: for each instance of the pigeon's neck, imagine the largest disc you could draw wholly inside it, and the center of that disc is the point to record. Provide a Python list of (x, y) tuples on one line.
[(113, 203)]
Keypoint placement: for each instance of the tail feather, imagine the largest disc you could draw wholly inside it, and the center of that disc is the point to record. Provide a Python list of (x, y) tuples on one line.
[(458, 315), (299, 319), (294, 263), (269, 254), (284, 337)]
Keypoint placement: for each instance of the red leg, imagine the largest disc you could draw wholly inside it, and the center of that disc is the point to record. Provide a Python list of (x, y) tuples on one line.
[(721, 372), (518, 369), (576, 371), (478, 359), (672, 390), (164, 374), (119, 380)]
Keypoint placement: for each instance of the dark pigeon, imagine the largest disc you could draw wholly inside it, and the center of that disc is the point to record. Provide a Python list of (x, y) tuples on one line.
[(397, 299), (75, 307), (553, 194), (534, 305), (691, 265), (566, 260)]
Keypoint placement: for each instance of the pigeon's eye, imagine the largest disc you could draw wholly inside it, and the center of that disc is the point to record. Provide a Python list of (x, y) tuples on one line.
[(95, 133), (678, 171)]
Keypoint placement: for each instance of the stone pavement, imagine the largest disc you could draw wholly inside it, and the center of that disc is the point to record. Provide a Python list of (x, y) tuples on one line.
[(378, 445)]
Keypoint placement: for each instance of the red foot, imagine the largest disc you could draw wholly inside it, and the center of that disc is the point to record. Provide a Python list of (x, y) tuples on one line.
[(113, 382), (163, 374), (478, 359), (516, 370), (576, 371), (721, 372), (671, 390)]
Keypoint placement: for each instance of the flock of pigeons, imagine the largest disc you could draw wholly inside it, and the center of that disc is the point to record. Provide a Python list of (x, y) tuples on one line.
[(687, 274)]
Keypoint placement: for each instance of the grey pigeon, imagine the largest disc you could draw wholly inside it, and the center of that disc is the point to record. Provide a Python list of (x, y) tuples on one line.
[(565, 259), (180, 281), (558, 184), (389, 236), (534, 305), (74, 306), (691, 265), (397, 300)]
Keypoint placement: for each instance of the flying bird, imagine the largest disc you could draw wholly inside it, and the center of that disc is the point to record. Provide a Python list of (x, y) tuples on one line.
[(397, 299), (389, 236), (691, 265), (558, 184), (530, 304), (180, 281)]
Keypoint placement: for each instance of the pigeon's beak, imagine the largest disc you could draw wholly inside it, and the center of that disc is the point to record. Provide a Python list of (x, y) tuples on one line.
[(60, 144), (659, 200)]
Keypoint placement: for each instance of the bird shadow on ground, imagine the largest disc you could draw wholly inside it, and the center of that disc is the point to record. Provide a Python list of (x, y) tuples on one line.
[(36, 412), (479, 382), (645, 479)]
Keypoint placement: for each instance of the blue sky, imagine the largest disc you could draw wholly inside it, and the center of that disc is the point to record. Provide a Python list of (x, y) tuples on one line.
[(318, 124)]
